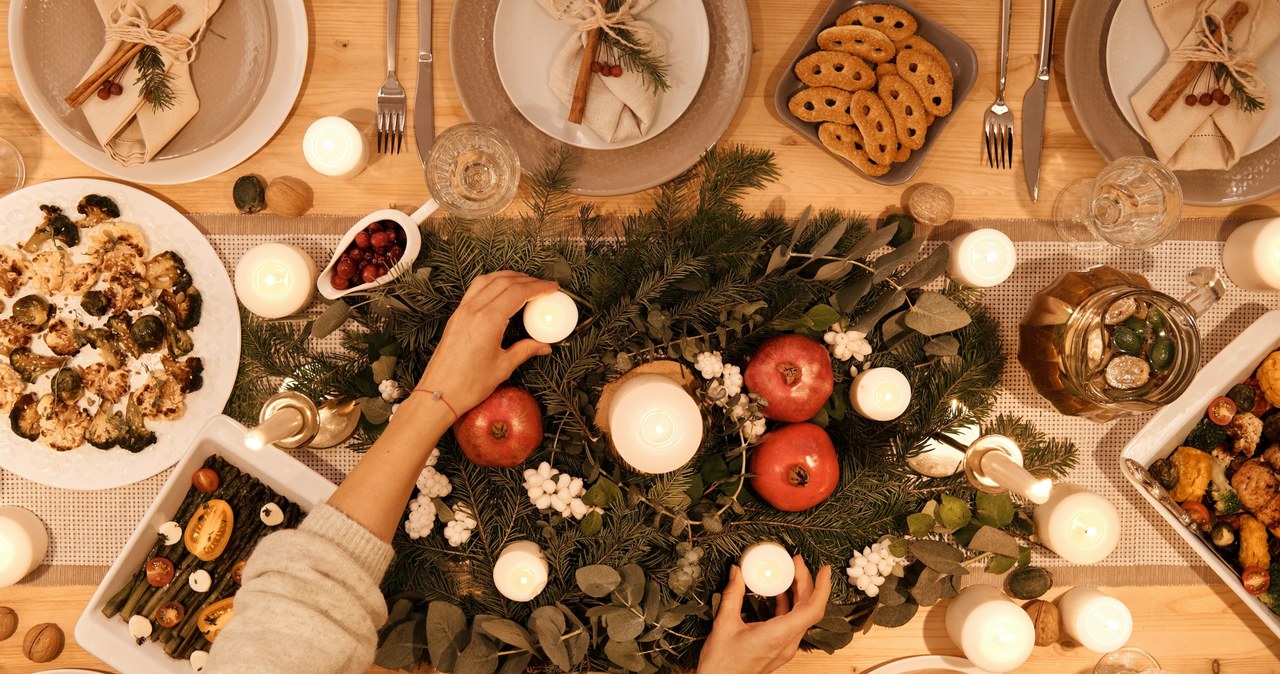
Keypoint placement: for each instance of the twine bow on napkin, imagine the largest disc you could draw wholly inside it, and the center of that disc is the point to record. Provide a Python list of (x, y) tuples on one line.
[(618, 108), (1215, 136), (129, 129)]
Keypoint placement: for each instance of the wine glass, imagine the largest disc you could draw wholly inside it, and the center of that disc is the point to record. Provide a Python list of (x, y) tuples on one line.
[(473, 171), (12, 171), (1127, 661), (1135, 203)]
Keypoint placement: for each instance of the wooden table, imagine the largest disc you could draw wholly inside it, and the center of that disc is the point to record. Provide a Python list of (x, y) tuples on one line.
[(1184, 627)]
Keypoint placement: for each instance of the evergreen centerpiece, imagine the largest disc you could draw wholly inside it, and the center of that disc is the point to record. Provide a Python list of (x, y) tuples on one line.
[(636, 560)]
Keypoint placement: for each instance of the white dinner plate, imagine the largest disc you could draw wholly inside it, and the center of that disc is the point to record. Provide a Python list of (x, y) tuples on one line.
[(1135, 51), (216, 337), (262, 103), (526, 41), (928, 663)]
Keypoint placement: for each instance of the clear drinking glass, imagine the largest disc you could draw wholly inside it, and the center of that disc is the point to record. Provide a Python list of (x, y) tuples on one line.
[(473, 171), (1135, 203), (1126, 661), (12, 171)]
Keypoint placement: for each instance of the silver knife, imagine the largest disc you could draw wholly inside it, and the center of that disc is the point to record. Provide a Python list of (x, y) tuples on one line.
[(424, 119), (1033, 106)]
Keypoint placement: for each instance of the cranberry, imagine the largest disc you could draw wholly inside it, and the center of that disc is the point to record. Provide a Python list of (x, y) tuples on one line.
[(1223, 99), (369, 273), (362, 239), (339, 283), (380, 239), (374, 228), (401, 237), (1206, 98), (1191, 99), (346, 268), (395, 253), (616, 71), (595, 66), (382, 270)]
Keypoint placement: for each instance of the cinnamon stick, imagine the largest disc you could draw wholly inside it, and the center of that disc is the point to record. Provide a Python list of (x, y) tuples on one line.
[(578, 106), (1192, 69), (123, 54)]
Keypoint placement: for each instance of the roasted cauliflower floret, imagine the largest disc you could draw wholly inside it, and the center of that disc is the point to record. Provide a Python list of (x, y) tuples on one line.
[(13, 335), (48, 269), (78, 278), (106, 429), (1246, 429), (161, 397), (11, 387), (108, 383), (168, 271), (62, 425), (63, 338), (14, 270), (115, 235)]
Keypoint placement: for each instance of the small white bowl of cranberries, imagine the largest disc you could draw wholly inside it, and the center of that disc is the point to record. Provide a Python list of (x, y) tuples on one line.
[(376, 250)]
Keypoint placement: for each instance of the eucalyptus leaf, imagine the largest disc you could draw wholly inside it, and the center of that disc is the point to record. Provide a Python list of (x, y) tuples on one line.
[(597, 580), (832, 270), (479, 657), (509, 632), (386, 305), (443, 512), (777, 260), (873, 241), (846, 299), (898, 547), (886, 265), (964, 535), (631, 590), (937, 555), (331, 319), (920, 524), (603, 493), (516, 663), (625, 654), (995, 510), (399, 648), (935, 314), (446, 634), (946, 345), (802, 224), (592, 523), (893, 591), (890, 301), (384, 368), (927, 589), (821, 317), (927, 270), (1000, 564), (375, 410), (953, 513), (893, 326), (828, 641), (548, 624), (827, 242), (894, 616), (624, 625)]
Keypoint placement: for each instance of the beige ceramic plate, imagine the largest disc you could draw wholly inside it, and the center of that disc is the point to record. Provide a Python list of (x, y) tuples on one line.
[(620, 171), (1088, 85)]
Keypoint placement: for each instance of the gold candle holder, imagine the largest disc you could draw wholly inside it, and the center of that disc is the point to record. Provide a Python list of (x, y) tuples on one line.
[(288, 420)]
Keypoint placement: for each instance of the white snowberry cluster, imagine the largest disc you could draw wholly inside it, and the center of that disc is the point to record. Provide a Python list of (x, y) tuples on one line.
[(868, 569), (709, 364), (846, 344), (724, 383), (550, 489), (432, 482), (752, 424), (458, 532), (422, 517), (390, 390)]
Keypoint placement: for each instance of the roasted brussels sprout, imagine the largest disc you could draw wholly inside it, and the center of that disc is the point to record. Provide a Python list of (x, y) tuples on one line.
[(137, 436), (107, 429), (67, 385), (102, 340), (167, 271), (95, 208), (95, 303), (32, 310), (121, 329), (177, 339), (55, 226), (186, 307), (1165, 472), (148, 332), (30, 366), (1223, 535), (24, 418), (189, 373)]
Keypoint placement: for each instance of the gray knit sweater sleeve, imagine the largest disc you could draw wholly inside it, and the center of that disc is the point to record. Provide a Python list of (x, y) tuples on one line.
[(310, 602)]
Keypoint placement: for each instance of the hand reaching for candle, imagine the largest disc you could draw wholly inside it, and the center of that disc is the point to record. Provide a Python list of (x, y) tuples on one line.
[(470, 362), (761, 647)]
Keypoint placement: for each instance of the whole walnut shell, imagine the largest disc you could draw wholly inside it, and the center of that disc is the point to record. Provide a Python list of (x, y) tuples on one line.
[(289, 197), (931, 205), (43, 642), (8, 622), (1047, 620)]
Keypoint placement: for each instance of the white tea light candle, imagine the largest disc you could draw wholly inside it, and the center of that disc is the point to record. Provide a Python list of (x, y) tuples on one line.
[(655, 424), (275, 280), (334, 147), (767, 569), (880, 394), (550, 318), (1078, 525), (982, 259), (521, 571), (1100, 622), (1251, 255), (23, 544), (995, 634)]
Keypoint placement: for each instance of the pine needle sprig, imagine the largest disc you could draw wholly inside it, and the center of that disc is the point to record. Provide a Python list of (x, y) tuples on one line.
[(155, 78), (549, 186), (626, 50), (1228, 79)]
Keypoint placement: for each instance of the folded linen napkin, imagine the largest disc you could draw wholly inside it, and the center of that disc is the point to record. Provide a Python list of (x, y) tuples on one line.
[(1203, 137), (126, 126), (618, 108)]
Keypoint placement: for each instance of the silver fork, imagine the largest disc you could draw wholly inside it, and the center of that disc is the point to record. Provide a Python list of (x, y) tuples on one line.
[(391, 98), (997, 126)]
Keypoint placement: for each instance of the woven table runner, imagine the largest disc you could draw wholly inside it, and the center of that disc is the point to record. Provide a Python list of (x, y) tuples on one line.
[(87, 529)]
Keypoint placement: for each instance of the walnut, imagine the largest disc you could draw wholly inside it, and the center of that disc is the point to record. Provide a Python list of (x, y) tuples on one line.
[(1047, 620), (8, 622), (43, 642), (289, 197), (931, 205)]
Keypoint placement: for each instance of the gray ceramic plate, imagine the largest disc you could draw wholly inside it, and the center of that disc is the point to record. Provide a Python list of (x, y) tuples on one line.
[(1253, 178), (608, 172), (964, 69)]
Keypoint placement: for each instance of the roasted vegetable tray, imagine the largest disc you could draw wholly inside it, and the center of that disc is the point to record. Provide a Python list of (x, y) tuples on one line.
[(221, 444), (1174, 426)]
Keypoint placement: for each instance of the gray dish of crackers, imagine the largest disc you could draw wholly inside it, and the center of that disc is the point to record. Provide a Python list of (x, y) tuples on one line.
[(875, 85)]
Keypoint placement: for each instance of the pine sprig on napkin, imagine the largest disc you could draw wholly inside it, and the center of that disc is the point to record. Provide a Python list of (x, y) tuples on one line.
[(623, 47), (157, 83)]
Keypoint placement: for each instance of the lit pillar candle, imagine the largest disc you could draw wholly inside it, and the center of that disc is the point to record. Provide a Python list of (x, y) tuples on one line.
[(982, 259), (995, 634), (655, 424), (1100, 622), (1080, 526), (334, 147), (275, 280), (1251, 255), (880, 394), (23, 544), (767, 569), (550, 318), (521, 571)]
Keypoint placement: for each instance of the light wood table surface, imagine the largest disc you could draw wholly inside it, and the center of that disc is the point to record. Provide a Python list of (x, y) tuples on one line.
[(1184, 627)]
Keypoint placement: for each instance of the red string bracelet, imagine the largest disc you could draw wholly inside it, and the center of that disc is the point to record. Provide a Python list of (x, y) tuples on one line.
[(439, 395)]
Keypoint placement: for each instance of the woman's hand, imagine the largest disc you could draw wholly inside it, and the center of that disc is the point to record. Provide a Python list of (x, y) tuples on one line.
[(469, 363), (759, 648)]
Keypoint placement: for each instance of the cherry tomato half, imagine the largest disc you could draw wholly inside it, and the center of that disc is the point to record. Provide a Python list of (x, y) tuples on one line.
[(159, 571), (1256, 580), (1199, 514), (206, 480), (1221, 410), (237, 572), (170, 614)]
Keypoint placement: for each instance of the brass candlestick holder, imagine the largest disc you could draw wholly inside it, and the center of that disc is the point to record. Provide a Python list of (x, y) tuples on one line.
[(992, 464), (288, 420)]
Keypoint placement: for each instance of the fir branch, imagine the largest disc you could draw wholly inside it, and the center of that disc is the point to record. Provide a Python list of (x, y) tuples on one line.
[(626, 49), (549, 185), (155, 78), (728, 174)]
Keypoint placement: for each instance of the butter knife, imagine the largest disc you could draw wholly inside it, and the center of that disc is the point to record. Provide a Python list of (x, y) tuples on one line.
[(424, 123), (1033, 106)]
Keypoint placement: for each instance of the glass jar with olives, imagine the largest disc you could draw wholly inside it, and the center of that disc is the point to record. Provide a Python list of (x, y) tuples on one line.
[(1101, 343)]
